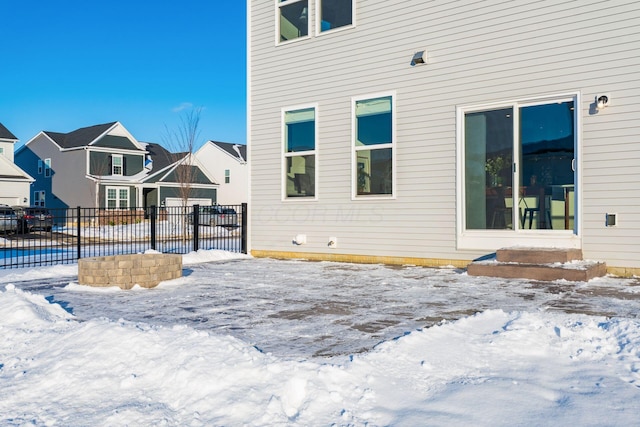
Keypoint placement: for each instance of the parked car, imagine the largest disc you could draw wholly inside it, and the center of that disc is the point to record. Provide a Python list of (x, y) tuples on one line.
[(30, 219), (8, 220), (216, 216)]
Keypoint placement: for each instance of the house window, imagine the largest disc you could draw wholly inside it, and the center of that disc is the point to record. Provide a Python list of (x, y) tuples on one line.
[(227, 176), (116, 164), (38, 198), (39, 167), (117, 198), (47, 168), (374, 132), (1, 151), (293, 19), (299, 131), (335, 14)]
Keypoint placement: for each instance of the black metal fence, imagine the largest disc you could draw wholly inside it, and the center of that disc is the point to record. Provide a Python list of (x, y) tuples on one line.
[(62, 236)]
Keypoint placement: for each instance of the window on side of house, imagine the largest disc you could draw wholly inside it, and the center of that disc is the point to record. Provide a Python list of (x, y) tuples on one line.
[(38, 198), (116, 164), (335, 14), (293, 19), (47, 168), (40, 167), (117, 198), (374, 142), (227, 176), (299, 134), (1, 151)]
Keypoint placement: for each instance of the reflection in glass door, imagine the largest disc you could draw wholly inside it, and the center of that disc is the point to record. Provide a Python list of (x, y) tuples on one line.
[(546, 174), (522, 180), (488, 169)]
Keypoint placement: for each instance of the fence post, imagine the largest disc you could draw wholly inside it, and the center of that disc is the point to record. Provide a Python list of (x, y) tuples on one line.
[(78, 246), (152, 225), (196, 227), (243, 243)]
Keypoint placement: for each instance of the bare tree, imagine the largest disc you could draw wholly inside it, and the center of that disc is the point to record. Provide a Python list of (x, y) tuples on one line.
[(183, 142)]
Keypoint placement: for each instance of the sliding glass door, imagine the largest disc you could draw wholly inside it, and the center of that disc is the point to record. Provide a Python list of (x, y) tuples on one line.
[(519, 167)]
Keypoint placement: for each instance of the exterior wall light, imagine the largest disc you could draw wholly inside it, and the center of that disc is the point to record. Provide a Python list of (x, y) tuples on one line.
[(419, 58), (602, 101)]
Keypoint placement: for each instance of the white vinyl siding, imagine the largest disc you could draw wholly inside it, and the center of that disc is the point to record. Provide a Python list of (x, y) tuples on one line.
[(479, 54)]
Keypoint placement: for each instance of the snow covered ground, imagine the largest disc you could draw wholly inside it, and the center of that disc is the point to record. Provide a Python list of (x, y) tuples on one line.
[(243, 341)]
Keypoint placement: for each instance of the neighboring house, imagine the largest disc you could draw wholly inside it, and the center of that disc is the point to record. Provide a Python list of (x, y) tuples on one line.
[(435, 133), (14, 182), (227, 163), (97, 166), (177, 179)]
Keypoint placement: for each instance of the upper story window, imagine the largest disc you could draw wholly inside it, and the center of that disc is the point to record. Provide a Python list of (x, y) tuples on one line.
[(299, 132), (39, 166), (374, 141), (335, 14), (1, 151), (116, 164), (227, 176), (47, 168), (293, 19)]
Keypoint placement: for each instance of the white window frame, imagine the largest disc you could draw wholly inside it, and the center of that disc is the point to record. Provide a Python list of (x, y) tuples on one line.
[(39, 198), (1, 151), (47, 168), (40, 165), (285, 155), (114, 166), (318, 24), (495, 239), (279, 4), (227, 176), (355, 148), (117, 199)]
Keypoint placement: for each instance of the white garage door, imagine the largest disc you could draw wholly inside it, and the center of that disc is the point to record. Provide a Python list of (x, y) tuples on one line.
[(176, 201)]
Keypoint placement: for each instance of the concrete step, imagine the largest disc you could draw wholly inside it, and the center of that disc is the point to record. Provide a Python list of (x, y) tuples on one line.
[(575, 271), (538, 255)]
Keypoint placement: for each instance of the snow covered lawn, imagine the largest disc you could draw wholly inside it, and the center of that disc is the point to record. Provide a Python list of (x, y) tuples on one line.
[(242, 341)]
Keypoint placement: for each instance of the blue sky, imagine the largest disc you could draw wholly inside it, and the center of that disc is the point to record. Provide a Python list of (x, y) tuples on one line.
[(71, 64)]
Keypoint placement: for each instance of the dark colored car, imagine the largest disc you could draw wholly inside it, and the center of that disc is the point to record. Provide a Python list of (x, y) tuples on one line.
[(30, 219)]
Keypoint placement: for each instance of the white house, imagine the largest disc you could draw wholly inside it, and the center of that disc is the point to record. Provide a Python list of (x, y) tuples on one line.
[(14, 182), (227, 164), (435, 133)]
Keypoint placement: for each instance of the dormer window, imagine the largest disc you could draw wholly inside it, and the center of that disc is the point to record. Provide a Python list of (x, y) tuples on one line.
[(116, 164)]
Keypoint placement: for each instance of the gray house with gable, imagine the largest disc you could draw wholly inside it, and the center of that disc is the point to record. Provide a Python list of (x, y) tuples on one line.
[(101, 166)]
